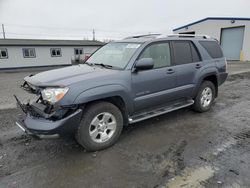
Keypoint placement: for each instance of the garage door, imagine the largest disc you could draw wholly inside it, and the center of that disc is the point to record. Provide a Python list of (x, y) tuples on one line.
[(232, 41)]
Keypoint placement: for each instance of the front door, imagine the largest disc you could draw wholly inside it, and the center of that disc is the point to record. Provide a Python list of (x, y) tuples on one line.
[(154, 87)]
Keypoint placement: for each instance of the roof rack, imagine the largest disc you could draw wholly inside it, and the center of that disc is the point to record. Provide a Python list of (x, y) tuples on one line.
[(156, 36), (185, 35), (144, 36)]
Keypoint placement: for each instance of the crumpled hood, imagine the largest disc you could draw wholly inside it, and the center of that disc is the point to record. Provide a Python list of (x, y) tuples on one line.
[(67, 76)]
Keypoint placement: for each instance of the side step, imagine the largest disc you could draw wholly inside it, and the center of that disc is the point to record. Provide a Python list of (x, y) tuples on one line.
[(160, 111)]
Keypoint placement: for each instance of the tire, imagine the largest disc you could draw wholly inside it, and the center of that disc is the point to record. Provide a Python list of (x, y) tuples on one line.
[(100, 127), (205, 97)]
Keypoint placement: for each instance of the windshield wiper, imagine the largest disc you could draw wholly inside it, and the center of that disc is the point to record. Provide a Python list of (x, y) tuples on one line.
[(104, 65), (90, 64)]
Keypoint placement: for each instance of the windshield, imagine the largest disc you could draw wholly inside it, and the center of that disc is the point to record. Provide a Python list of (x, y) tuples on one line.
[(114, 54)]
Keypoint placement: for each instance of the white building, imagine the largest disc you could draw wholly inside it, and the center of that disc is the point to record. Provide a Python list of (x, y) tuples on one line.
[(232, 33), (16, 53)]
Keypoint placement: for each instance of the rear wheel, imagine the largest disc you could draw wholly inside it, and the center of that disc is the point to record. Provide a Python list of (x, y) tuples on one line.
[(100, 127), (205, 97)]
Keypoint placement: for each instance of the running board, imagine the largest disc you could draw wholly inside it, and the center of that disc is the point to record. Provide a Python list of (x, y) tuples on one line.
[(160, 111)]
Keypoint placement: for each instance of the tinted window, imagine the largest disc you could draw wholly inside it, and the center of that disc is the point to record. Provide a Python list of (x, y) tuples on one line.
[(160, 53), (195, 54), (182, 52), (212, 48)]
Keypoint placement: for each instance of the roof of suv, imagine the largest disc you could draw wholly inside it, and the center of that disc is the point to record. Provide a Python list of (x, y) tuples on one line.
[(159, 37)]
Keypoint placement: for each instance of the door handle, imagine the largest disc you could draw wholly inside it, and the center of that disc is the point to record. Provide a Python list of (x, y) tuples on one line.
[(197, 66), (170, 71)]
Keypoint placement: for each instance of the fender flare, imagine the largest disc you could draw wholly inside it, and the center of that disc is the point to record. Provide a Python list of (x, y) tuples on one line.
[(209, 72), (105, 91)]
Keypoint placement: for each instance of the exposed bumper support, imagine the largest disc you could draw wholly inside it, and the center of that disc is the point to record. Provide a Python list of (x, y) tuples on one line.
[(41, 127)]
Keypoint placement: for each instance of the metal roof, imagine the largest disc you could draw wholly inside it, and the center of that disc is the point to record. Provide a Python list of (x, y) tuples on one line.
[(212, 18), (40, 42)]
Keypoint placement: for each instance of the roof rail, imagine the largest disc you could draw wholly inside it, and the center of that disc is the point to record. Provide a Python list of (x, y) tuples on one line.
[(185, 35), (144, 36), (156, 36)]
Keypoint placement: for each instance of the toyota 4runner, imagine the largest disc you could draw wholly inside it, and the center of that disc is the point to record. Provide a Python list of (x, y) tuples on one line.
[(124, 82)]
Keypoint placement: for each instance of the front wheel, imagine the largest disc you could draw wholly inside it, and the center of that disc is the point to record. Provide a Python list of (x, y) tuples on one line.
[(100, 127), (205, 97)]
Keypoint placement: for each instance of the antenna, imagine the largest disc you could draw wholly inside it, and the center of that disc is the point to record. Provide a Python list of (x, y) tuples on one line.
[(93, 32), (3, 31)]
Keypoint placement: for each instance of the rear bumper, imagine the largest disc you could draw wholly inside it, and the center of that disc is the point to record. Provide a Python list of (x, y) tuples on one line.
[(41, 126), (222, 77)]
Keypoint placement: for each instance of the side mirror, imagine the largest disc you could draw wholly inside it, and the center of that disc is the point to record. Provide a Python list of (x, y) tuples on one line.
[(144, 64)]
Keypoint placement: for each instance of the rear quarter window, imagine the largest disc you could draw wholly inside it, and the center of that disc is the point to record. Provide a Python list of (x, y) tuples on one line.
[(213, 48)]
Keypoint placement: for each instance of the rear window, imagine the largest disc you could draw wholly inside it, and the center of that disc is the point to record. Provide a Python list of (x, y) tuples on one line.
[(212, 48)]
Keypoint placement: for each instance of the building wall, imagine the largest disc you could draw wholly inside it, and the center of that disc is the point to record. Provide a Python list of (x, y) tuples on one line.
[(43, 56), (213, 29)]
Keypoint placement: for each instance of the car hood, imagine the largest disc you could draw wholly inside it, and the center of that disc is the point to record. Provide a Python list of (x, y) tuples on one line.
[(67, 76)]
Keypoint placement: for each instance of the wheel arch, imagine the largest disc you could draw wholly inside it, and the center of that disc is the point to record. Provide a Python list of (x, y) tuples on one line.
[(212, 77), (116, 99)]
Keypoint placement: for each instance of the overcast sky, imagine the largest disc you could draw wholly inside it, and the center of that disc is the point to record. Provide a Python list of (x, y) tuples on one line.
[(111, 19)]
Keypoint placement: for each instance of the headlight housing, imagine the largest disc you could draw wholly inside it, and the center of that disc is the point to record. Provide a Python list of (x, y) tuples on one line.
[(53, 95)]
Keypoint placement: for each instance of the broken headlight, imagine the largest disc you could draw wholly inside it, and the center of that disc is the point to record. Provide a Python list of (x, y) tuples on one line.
[(53, 95)]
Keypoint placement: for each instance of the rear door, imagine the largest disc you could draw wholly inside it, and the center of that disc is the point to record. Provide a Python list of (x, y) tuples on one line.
[(152, 87), (188, 62)]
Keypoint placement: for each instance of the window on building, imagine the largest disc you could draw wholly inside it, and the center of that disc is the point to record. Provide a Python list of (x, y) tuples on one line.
[(78, 51), (3, 53), (29, 52), (55, 52), (159, 52), (212, 48)]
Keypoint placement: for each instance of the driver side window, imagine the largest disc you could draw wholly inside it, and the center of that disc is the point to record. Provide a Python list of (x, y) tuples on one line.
[(159, 52)]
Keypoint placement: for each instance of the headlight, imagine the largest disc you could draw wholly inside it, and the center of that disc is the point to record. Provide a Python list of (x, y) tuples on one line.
[(53, 95)]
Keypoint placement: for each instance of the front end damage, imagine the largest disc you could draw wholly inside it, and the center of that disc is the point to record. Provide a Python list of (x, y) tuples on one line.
[(44, 119)]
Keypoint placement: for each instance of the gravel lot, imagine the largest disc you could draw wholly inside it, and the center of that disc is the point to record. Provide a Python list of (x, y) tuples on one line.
[(179, 149)]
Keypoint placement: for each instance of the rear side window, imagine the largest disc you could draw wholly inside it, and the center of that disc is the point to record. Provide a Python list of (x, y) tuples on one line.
[(212, 48), (182, 52)]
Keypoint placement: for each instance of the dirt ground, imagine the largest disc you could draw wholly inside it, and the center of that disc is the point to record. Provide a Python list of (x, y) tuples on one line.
[(179, 149)]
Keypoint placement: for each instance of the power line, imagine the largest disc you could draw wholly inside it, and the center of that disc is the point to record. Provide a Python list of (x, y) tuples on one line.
[(59, 36), (102, 33), (64, 28), (33, 34)]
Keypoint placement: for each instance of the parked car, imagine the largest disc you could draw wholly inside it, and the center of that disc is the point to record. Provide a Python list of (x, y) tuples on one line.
[(124, 82)]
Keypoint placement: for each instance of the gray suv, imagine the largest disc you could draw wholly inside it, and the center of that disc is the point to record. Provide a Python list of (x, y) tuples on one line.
[(124, 82)]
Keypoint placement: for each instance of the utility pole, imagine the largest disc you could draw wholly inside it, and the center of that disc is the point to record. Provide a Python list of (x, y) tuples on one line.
[(93, 34), (3, 31)]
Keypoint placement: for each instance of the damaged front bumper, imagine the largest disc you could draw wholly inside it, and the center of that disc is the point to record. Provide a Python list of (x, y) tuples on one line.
[(44, 121), (41, 126)]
